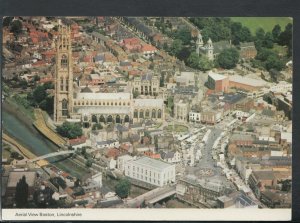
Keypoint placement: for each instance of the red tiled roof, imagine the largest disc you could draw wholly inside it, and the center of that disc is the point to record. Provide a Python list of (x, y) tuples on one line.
[(148, 47), (131, 41), (113, 152), (152, 155), (46, 79), (39, 63), (77, 141)]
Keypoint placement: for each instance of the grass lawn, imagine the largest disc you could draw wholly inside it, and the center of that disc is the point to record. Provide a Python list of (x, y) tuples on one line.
[(22, 104), (267, 23), (177, 128), (281, 50)]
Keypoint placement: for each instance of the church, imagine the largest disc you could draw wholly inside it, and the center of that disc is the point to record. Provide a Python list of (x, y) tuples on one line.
[(211, 50), (89, 104)]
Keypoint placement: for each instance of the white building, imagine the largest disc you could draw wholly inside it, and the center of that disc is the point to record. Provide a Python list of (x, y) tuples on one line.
[(194, 116), (122, 161), (181, 111), (171, 157), (151, 171)]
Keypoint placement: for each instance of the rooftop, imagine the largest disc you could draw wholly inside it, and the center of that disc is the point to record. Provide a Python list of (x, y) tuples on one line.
[(149, 102), (103, 96), (247, 81), (216, 76), (153, 163), (15, 176)]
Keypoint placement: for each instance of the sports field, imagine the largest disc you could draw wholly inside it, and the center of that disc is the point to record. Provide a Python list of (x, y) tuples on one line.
[(267, 23)]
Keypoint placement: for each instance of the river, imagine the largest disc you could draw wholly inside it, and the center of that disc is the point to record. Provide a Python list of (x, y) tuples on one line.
[(20, 128)]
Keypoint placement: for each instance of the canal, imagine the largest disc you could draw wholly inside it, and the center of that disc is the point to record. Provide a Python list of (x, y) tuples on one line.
[(18, 127)]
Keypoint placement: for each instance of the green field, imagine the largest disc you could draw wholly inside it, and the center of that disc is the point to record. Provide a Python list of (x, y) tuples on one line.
[(177, 128), (267, 23)]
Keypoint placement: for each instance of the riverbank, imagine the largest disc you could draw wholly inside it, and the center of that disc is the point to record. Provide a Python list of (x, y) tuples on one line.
[(23, 150), (19, 127), (17, 111)]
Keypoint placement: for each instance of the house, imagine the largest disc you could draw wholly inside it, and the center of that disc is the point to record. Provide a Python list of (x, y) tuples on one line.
[(148, 50), (247, 50), (170, 156), (112, 153), (107, 144), (122, 160), (78, 142)]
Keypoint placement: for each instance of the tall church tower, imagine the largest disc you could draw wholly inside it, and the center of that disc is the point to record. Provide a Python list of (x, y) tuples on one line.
[(210, 50), (199, 43), (63, 98)]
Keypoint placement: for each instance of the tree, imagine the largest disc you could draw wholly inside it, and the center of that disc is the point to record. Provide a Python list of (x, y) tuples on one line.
[(240, 33), (228, 58), (175, 47), (16, 27), (135, 94), (69, 130), (274, 62), (286, 35), (162, 80), (205, 64), (89, 162), (123, 188), (39, 94), (97, 126), (7, 20), (21, 196), (259, 38), (268, 41), (193, 60), (184, 35), (276, 33)]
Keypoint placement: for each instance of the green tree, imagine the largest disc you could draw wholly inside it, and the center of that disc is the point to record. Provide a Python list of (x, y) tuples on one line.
[(21, 196), (97, 126), (184, 35), (276, 33), (193, 60), (268, 41), (23, 84), (69, 130), (286, 35), (175, 47), (274, 62), (123, 188), (7, 20), (162, 80), (16, 27), (135, 94), (39, 94), (228, 58), (89, 162), (259, 38), (205, 64), (240, 33)]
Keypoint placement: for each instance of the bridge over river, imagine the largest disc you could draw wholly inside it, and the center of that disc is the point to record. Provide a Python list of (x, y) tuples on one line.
[(153, 196)]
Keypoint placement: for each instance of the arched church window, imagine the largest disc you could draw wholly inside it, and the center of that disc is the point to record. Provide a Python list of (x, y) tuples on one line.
[(61, 84), (141, 113), (64, 107), (64, 61), (147, 113), (153, 113), (135, 114), (159, 114), (85, 118)]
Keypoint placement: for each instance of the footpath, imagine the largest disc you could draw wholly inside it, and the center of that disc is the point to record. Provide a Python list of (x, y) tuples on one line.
[(42, 126)]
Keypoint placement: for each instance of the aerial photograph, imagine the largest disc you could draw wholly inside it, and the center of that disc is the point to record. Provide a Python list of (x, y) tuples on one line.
[(146, 112)]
